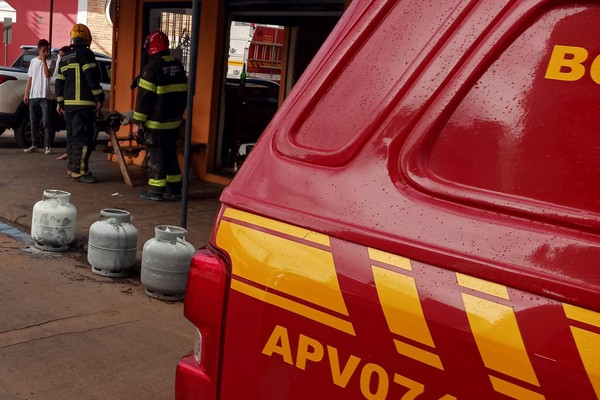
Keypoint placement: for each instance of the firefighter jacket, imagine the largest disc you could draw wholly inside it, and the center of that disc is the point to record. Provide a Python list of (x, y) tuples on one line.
[(78, 79), (162, 93)]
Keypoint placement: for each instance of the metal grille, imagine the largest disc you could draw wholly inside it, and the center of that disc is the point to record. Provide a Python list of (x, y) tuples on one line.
[(178, 27)]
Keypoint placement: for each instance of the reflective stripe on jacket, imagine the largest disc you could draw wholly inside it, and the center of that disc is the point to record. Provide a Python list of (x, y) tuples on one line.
[(162, 93), (78, 79)]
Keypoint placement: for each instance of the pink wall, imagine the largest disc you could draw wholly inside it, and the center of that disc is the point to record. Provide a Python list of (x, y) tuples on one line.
[(33, 24)]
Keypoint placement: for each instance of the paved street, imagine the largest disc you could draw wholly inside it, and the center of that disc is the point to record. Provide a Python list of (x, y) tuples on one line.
[(66, 333)]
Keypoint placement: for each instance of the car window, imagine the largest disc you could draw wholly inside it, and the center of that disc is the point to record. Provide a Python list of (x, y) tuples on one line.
[(105, 70), (25, 59), (527, 129)]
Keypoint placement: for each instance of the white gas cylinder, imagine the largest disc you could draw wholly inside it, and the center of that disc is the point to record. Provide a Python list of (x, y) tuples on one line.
[(53, 221), (165, 263), (112, 243)]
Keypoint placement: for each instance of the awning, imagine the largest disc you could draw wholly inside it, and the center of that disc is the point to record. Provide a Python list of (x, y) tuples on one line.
[(6, 11), (279, 12), (285, 7)]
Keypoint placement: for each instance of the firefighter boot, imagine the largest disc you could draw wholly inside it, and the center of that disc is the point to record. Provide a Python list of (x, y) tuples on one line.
[(173, 191), (153, 194)]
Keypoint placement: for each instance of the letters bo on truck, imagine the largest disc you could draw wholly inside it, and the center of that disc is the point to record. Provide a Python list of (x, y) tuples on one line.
[(421, 219)]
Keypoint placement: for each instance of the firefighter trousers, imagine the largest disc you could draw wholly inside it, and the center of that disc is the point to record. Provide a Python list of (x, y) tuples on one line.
[(80, 139), (163, 166)]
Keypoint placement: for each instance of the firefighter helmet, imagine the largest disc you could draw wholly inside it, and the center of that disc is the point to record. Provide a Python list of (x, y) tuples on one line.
[(80, 34), (156, 42)]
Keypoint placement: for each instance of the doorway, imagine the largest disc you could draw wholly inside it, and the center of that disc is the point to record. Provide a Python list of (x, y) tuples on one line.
[(272, 54), (175, 20)]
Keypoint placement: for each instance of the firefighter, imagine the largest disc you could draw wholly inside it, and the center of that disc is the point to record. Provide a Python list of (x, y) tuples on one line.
[(160, 103), (79, 97)]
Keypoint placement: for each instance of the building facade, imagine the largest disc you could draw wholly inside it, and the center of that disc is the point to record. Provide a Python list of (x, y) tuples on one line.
[(33, 22), (226, 116)]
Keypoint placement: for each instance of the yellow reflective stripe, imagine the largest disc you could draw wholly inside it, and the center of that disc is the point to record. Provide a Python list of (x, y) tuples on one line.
[(401, 305), (76, 70), (88, 66), (97, 91), (168, 58), (281, 227), (294, 306), (157, 182), (588, 344), (587, 341), (173, 178), (498, 338), (162, 125), (482, 286), (290, 267), (418, 354), (149, 86), (139, 116), (60, 98), (84, 151), (514, 391), (60, 76), (582, 315), (80, 103), (389, 258), (175, 87)]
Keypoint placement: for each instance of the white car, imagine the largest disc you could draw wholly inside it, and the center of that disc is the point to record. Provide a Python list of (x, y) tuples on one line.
[(14, 114)]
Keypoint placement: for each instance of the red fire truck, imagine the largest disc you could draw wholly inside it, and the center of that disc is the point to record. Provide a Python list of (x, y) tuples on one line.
[(257, 46), (421, 219)]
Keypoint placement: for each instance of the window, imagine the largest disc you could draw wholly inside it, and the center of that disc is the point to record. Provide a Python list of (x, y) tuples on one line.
[(176, 23)]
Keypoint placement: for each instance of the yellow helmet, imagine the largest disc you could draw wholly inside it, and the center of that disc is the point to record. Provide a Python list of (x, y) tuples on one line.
[(80, 34)]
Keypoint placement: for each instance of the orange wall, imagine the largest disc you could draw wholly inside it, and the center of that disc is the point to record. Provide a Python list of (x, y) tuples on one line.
[(127, 59)]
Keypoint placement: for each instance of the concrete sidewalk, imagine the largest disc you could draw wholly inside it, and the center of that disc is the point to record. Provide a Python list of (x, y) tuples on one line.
[(66, 332), (25, 176)]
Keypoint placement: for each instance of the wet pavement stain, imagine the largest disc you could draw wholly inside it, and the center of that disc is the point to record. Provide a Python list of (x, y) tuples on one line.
[(13, 232)]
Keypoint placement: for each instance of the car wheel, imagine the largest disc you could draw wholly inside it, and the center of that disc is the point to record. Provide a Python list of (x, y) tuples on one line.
[(23, 133)]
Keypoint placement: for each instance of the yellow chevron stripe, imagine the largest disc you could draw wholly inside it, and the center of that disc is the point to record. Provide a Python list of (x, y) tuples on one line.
[(514, 391), (582, 315), (401, 305), (294, 268), (277, 226), (292, 306), (588, 344), (389, 258), (418, 354), (483, 286), (498, 338)]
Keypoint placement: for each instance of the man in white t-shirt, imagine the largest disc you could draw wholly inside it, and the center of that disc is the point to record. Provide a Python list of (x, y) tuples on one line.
[(38, 96)]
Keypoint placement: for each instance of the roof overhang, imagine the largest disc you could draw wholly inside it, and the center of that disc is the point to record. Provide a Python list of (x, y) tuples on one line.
[(282, 12), (6, 11), (285, 7)]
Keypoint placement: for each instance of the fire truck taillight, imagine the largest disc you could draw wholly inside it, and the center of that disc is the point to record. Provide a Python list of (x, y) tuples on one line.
[(198, 346), (203, 307)]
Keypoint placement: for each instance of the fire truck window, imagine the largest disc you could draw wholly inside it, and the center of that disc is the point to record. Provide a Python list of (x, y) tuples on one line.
[(529, 127)]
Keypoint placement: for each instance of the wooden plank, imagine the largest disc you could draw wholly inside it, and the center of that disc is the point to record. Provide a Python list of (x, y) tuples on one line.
[(120, 158)]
